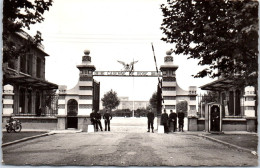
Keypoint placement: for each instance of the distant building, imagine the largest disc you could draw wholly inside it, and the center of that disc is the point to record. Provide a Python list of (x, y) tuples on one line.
[(125, 103)]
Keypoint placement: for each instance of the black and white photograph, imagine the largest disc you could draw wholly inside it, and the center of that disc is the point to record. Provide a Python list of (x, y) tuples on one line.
[(130, 83)]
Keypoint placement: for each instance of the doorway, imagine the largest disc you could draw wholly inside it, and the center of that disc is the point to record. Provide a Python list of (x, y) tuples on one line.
[(72, 119), (215, 118)]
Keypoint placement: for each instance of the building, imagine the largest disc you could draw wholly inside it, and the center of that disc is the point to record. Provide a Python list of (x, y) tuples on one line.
[(26, 92), (238, 106), (125, 103)]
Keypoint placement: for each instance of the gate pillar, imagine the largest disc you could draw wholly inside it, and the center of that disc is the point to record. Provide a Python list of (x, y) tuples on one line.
[(169, 83), (85, 90), (8, 102), (62, 114), (250, 110)]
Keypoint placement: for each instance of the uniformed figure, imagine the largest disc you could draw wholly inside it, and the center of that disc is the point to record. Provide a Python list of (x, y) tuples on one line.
[(173, 120), (93, 118), (215, 119), (181, 120), (107, 117), (164, 121), (98, 121), (150, 117)]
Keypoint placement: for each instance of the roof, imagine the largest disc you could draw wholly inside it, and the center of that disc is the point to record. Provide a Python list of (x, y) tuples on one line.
[(220, 84), (25, 36), (27, 80)]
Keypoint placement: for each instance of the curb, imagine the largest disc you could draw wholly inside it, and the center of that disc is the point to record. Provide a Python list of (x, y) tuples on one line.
[(25, 139), (229, 144)]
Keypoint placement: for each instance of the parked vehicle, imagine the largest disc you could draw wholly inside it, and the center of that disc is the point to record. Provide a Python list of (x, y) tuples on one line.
[(13, 125)]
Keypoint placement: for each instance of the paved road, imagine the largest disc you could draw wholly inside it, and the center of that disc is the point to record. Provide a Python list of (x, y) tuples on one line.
[(122, 148)]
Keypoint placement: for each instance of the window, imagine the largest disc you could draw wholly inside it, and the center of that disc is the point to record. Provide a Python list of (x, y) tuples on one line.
[(23, 63), (29, 64), (38, 67), (192, 97)]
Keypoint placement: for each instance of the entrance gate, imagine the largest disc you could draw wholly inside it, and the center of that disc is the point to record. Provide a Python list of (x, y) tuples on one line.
[(86, 98)]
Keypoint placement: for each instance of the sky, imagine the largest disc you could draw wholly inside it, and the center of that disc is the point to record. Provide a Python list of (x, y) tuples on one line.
[(112, 30)]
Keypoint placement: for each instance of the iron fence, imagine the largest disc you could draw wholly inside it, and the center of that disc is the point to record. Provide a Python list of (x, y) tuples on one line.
[(36, 105)]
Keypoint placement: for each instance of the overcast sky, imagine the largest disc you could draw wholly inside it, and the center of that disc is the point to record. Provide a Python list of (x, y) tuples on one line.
[(112, 30)]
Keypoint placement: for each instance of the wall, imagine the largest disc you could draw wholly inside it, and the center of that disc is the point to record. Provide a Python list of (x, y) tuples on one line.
[(41, 123)]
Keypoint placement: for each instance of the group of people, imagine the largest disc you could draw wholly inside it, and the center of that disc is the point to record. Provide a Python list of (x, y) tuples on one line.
[(166, 120), (95, 118)]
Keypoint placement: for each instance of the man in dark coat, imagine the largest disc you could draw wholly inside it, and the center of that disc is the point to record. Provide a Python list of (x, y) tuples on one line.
[(215, 119), (164, 121), (150, 117), (181, 120), (107, 117), (173, 120), (93, 118), (98, 121)]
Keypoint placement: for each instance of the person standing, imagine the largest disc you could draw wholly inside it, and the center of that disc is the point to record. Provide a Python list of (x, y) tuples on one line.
[(93, 118), (98, 121), (150, 117), (173, 119), (164, 121), (215, 119), (107, 117), (181, 120)]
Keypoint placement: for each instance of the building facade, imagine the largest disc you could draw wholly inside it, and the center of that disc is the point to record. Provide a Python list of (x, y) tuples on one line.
[(238, 106), (26, 92)]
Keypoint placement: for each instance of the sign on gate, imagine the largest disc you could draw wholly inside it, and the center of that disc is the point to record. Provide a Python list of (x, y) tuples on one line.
[(127, 73)]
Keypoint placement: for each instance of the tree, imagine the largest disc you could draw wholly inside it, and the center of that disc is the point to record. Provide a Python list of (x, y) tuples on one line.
[(221, 34), (110, 100), (154, 100), (209, 97), (182, 106), (19, 14)]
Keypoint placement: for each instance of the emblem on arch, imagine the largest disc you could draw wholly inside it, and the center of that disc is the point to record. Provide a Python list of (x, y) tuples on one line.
[(128, 67)]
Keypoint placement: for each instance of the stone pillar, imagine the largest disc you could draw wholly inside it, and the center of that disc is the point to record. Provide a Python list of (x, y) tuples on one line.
[(62, 108), (85, 84), (169, 83), (8, 102), (249, 104), (192, 123), (192, 109), (192, 103)]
